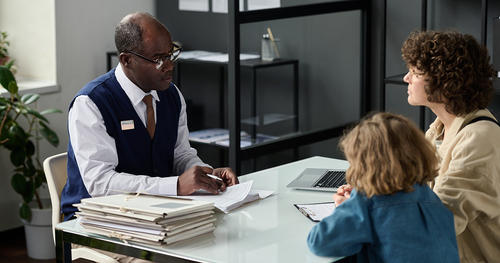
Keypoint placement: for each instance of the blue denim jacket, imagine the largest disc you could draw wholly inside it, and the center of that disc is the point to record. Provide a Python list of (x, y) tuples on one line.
[(401, 227)]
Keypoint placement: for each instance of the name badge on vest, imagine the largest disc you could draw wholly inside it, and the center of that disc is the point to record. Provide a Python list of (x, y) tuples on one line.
[(127, 125)]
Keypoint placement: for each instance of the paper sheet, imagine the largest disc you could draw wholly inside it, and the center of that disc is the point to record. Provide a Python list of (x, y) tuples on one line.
[(233, 197)]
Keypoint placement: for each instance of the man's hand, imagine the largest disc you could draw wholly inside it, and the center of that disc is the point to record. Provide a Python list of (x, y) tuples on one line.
[(227, 175), (196, 178), (343, 193)]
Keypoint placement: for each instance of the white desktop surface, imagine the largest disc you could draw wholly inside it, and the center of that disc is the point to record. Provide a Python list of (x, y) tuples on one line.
[(268, 230)]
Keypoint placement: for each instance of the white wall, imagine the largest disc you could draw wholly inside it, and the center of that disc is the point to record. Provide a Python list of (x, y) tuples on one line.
[(84, 32), (30, 25)]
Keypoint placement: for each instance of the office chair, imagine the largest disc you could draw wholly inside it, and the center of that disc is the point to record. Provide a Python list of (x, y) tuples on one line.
[(56, 174)]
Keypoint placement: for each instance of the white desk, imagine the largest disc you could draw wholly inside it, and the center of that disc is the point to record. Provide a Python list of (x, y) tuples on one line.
[(268, 230)]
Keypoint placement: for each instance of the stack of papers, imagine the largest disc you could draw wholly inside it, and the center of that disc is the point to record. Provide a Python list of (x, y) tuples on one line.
[(146, 219)]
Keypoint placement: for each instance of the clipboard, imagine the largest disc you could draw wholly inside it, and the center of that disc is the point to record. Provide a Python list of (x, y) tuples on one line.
[(316, 211)]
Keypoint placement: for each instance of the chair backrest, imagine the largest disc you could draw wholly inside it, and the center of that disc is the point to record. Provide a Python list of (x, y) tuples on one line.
[(56, 174)]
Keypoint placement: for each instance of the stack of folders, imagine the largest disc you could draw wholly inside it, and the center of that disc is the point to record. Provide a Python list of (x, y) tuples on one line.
[(149, 219)]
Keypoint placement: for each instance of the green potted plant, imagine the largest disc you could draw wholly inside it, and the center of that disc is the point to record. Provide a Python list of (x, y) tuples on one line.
[(20, 129)]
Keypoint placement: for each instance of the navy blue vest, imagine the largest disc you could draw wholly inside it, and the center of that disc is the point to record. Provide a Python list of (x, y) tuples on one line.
[(137, 153)]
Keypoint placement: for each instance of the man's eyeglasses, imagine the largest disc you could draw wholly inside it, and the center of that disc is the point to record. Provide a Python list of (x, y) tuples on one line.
[(160, 61)]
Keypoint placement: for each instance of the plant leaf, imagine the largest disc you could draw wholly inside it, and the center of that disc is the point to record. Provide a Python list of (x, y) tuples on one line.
[(38, 115), (18, 182), (17, 133), (30, 148), (10, 64), (39, 179), (41, 174), (25, 212), (6, 77), (13, 88), (30, 192), (49, 134), (29, 98), (17, 156), (49, 111)]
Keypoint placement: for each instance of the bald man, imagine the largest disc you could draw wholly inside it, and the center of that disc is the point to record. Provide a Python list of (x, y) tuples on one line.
[(128, 128)]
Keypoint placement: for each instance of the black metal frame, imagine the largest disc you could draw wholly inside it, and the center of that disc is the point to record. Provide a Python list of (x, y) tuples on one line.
[(235, 19), (398, 79), (253, 65), (65, 239)]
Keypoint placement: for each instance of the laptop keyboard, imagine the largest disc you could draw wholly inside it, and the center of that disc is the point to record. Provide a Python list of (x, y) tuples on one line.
[(331, 179)]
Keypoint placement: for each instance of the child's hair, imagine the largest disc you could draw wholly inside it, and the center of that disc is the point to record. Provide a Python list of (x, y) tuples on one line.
[(388, 153)]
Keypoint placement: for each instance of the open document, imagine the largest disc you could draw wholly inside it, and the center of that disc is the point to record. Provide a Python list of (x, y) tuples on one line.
[(233, 197)]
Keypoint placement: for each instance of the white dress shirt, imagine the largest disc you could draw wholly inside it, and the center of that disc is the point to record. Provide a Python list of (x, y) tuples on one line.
[(96, 154)]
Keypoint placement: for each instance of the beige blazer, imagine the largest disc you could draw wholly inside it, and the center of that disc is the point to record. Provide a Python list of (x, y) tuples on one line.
[(469, 184)]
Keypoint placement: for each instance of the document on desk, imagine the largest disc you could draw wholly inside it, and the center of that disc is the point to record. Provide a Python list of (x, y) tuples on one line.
[(233, 197), (316, 211)]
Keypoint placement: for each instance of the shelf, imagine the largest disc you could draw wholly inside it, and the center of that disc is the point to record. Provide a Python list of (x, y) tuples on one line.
[(235, 20), (299, 10), (251, 63), (220, 138), (269, 118), (287, 141), (396, 79)]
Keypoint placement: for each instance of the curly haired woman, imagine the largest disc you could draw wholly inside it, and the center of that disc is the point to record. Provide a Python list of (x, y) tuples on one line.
[(450, 73)]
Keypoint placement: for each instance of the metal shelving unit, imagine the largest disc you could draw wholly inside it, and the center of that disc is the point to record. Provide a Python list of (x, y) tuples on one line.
[(236, 19)]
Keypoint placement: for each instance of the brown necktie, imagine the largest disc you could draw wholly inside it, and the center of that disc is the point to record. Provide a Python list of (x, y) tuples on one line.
[(150, 121)]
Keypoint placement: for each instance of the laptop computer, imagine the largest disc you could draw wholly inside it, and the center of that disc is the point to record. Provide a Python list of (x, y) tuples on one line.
[(319, 179)]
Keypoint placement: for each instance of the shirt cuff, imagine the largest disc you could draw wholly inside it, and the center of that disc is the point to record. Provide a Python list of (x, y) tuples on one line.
[(168, 185)]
